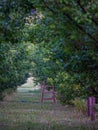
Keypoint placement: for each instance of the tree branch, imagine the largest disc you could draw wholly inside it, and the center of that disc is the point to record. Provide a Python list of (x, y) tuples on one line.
[(79, 4), (46, 4), (80, 27), (56, 2), (72, 21), (84, 11)]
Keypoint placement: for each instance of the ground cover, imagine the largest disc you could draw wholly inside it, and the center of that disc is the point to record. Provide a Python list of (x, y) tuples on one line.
[(24, 111)]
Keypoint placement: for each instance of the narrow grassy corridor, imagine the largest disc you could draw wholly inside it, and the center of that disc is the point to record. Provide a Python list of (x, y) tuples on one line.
[(24, 111)]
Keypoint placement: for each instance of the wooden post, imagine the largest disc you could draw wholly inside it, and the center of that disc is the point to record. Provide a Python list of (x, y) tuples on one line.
[(90, 107), (43, 87)]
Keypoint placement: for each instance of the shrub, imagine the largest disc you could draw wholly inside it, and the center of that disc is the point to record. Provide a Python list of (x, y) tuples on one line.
[(80, 104)]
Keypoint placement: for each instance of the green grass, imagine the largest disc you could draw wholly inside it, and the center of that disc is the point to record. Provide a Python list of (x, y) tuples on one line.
[(36, 126), (24, 111)]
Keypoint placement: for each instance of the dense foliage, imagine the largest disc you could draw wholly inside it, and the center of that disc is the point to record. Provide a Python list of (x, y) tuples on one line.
[(66, 53), (63, 49), (14, 61)]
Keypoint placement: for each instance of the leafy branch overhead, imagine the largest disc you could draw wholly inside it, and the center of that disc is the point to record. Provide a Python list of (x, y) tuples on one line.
[(54, 40), (77, 12), (68, 31)]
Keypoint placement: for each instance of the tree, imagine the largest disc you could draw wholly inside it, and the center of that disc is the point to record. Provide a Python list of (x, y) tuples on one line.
[(14, 58), (67, 33)]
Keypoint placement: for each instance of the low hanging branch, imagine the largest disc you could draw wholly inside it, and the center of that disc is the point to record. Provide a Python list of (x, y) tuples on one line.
[(57, 3), (71, 21), (80, 27), (84, 11), (46, 5)]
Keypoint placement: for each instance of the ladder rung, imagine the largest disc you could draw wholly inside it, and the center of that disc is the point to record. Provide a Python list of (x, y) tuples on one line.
[(48, 98), (48, 92)]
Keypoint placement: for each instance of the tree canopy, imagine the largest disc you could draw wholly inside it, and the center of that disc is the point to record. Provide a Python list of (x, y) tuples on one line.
[(59, 41), (14, 63), (67, 45)]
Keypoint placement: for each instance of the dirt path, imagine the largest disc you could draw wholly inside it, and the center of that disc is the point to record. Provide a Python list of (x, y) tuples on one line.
[(24, 111)]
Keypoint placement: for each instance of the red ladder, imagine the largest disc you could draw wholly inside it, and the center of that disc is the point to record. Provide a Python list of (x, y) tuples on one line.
[(45, 91)]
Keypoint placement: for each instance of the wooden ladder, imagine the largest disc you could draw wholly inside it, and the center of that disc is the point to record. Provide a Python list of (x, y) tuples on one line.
[(48, 90)]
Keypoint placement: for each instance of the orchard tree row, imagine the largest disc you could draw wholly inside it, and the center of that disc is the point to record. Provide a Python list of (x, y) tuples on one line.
[(14, 59), (55, 40), (66, 54)]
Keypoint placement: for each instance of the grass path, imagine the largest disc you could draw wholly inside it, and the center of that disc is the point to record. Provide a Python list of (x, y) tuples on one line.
[(24, 111)]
